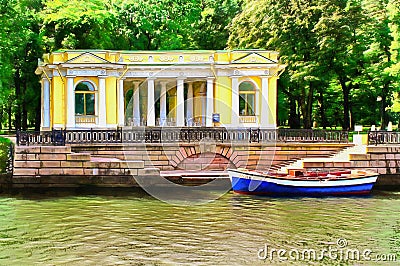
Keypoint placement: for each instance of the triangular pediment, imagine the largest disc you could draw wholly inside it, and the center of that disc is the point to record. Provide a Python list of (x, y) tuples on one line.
[(254, 58), (87, 58)]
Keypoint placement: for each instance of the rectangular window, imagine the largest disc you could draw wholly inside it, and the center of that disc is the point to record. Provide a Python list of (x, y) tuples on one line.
[(79, 104), (250, 104), (242, 104), (89, 104), (246, 104)]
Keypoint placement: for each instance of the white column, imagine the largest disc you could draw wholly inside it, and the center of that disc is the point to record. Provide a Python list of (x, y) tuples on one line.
[(121, 103), (180, 104), (46, 103), (265, 112), (102, 102), (136, 104), (189, 105), (42, 103), (210, 101), (203, 104), (163, 104), (235, 102), (151, 115), (70, 102)]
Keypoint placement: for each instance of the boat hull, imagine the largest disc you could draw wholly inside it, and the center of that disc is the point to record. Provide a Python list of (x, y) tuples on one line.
[(250, 184)]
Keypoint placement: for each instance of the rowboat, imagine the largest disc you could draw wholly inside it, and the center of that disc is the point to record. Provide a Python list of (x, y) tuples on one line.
[(299, 182)]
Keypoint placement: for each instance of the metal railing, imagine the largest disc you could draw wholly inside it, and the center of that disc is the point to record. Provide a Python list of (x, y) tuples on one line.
[(311, 135), (383, 137), (177, 134), (10, 159), (248, 119), (85, 119), (54, 137)]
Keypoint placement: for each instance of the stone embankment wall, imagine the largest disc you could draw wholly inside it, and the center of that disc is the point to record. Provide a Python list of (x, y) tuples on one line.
[(117, 165), (58, 166), (383, 159)]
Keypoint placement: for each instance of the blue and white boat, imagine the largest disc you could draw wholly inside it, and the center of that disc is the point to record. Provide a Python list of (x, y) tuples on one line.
[(302, 183)]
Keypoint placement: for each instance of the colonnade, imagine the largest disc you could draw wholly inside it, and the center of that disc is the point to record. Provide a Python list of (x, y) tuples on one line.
[(181, 118)]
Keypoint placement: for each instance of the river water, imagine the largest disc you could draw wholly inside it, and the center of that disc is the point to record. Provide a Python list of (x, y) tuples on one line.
[(132, 228)]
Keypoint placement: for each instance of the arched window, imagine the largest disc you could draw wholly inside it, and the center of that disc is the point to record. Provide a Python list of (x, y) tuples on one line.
[(85, 98), (247, 99)]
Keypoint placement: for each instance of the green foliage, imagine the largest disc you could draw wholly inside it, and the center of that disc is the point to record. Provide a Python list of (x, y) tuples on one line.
[(4, 150), (75, 24), (20, 49), (210, 31), (142, 24), (33, 27), (341, 56)]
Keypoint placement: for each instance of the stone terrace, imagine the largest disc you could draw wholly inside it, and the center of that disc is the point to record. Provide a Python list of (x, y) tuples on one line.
[(117, 164)]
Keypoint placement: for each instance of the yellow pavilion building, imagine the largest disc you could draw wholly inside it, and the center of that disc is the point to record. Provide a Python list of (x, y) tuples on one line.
[(107, 89)]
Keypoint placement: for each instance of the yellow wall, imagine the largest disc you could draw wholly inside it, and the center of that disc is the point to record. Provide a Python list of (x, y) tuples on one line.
[(220, 57), (111, 100), (58, 110), (223, 99), (197, 101), (273, 98), (172, 103)]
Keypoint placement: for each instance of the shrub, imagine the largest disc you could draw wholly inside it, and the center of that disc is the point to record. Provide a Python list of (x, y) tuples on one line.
[(4, 147)]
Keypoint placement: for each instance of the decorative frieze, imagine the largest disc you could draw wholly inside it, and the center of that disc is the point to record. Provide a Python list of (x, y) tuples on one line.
[(164, 72), (161, 73), (87, 72), (197, 58), (166, 58), (242, 72), (135, 58)]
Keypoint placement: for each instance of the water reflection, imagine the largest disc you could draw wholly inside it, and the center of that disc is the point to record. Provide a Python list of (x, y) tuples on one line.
[(133, 228)]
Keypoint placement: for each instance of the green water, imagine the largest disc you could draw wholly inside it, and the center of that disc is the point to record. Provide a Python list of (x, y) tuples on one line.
[(135, 229)]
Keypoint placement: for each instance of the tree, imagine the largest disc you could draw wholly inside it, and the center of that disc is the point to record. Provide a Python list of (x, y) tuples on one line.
[(19, 47), (348, 44), (75, 24), (211, 29), (286, 26)]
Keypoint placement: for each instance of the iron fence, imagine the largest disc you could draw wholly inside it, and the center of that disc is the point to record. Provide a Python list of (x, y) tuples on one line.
[(10, 159), (383, 137), (176, 134)]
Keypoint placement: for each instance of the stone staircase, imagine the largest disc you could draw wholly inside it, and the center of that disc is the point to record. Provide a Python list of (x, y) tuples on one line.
[(338, 160), (278, 167)]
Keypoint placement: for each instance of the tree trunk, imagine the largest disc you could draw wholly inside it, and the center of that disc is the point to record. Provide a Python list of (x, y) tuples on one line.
[(324, 122), (306, 107), (9, 112), (38, 115), (17, 83), (24, 109), (310, 99), (294, 120), (1, 117), (346, 104)]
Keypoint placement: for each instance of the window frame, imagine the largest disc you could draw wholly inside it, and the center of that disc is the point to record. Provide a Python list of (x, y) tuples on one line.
[(85, 93), (245, 98)]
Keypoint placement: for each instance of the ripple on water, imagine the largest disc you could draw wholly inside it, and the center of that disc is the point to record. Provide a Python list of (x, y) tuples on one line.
[(135, 229)]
